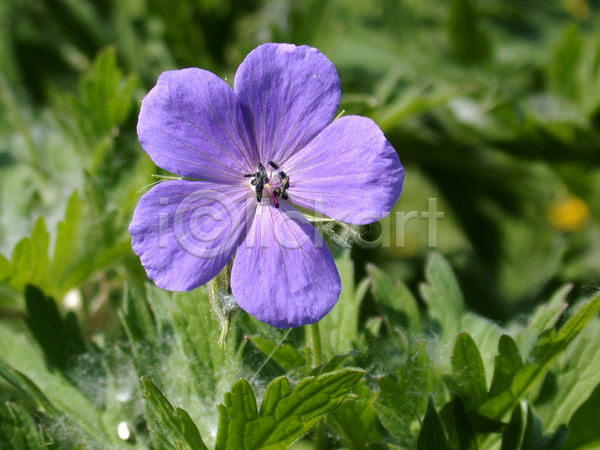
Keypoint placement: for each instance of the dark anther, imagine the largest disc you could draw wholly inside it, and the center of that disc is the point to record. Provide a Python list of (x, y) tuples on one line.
[(259, 180), (284, 180)]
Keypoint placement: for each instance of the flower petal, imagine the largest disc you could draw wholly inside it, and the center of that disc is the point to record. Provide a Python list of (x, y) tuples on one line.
[(191, 124), (283, 273), (186, 231), (289, 94), (349, 172)]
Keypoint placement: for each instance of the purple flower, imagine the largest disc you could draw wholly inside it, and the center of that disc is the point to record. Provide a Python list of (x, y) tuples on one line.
[(256, 150)]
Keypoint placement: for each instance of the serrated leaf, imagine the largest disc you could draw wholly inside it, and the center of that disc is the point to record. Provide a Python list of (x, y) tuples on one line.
[(432, 435), (507, 364), (419, 376), (138, 318), (333, 364), (287, 356), (175, 420), (66, 241), (443, 296), (397, 304), (139, 322), (22, 262), (214, 368), (285, 414), (546, 351), (104, 95), (355, 420), (468, 373), (543, 318), (392, 421), (486, 335)]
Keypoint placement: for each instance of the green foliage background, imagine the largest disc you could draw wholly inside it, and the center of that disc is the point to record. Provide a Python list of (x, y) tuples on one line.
[(494, 109)]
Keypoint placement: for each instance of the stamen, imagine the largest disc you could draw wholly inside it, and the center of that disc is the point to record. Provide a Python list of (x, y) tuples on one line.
[(260, 181)]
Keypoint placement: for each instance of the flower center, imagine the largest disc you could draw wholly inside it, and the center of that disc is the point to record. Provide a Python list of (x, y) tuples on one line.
[(275, 186)]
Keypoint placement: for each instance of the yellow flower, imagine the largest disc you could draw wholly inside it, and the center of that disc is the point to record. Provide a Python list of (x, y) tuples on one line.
[(568, 214)]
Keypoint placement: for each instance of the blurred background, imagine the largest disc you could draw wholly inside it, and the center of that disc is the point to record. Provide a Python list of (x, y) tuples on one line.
[(492, 105)]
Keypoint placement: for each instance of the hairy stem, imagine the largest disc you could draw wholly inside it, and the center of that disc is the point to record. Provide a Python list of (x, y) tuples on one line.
[(317, 359)]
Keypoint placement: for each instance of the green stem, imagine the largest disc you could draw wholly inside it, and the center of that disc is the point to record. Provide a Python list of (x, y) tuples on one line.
[(317, 359), (317, 348), (319, 441)]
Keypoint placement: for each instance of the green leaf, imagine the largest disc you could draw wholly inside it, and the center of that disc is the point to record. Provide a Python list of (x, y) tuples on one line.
[(545, 352), (214, 369), (6, 270), (49, 390), (468, 373), (534, 430), (176, 421), (66, 242), (60, 339), (104, 95), (583, 426), (18, 429), (557, 440), (339, 328), (408, 395), (442, 294), (40, 240), (574, 375), (397, 304), (333, 364), (464, 429), (512, 437), (543, 318), (27, 387), (30, 262), (526, 432), (287, 356), (139, 322), (392, 421), (285, 414), (562, 71), (432, 435), (355, 420), (507, 364)]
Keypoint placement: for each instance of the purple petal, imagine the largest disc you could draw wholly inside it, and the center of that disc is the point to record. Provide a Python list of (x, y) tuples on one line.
[(283, 273), (186, 231), (349, 172), (191, 124), (289, 94)]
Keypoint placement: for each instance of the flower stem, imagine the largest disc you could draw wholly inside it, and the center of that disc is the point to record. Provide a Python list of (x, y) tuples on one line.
[(317, 348), (317, 359)]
